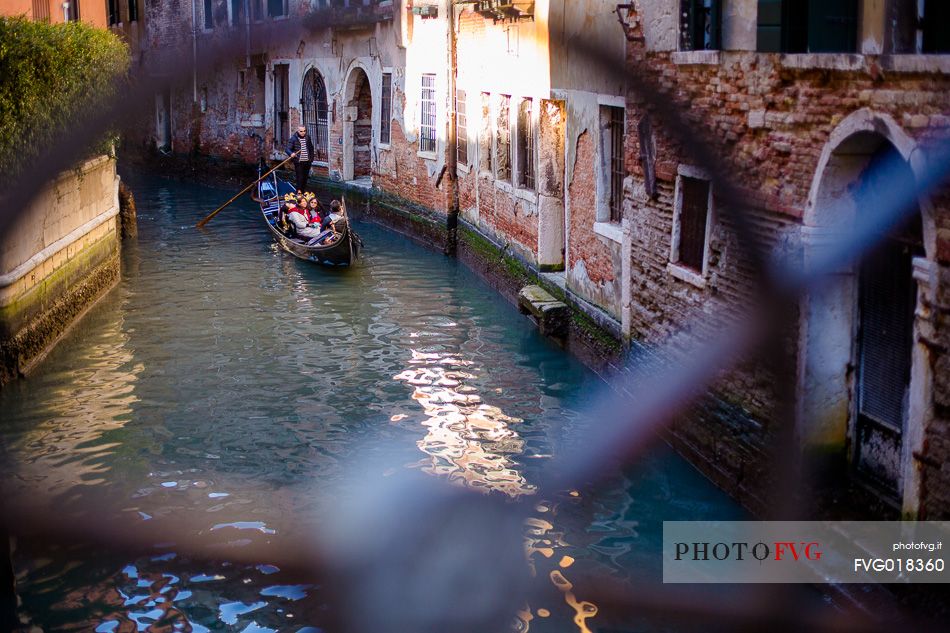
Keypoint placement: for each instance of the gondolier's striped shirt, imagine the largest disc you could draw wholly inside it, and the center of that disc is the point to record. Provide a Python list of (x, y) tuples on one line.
[(304, 155)]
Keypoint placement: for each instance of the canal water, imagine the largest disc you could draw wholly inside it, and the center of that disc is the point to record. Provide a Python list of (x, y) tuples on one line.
[(227, 383)]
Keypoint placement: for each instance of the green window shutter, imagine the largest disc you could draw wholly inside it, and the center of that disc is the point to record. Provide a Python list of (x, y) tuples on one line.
[(936, 26), (769, 26), (832, 26)]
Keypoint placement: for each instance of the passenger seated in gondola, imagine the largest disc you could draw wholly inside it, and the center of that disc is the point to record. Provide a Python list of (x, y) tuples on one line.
[(299, 217), (290, 203)]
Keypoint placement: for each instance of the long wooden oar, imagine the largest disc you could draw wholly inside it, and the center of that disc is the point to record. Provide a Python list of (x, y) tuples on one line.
[(243, 191)]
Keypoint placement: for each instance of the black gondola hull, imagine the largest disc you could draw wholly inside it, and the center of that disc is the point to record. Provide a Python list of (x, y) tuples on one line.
[(343, 252)]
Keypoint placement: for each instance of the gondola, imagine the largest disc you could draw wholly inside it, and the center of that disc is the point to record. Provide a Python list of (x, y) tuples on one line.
[(344, 251)]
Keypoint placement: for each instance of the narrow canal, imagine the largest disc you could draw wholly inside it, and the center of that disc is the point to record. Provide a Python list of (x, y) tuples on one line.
[(227, 382)]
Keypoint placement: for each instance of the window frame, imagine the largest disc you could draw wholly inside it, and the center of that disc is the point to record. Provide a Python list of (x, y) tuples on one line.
[(386, 109), (617, 133), (113, 13), (496, 141), (461, 129), (526, 147), (689, 23), (238, 19), (285, 10), (133, 11), (207, 10), (428, 117), (675, 266)]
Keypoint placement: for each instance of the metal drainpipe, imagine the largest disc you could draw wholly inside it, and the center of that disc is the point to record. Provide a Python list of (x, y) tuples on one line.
[(452, 219), (247, 30), (194, 50)]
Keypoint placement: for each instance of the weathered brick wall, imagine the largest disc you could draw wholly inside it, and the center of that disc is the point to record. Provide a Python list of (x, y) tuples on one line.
[(771, 119), (584, 246), (363, 130)]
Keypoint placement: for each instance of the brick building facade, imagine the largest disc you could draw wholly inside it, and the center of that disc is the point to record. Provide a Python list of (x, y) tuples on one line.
[(801, 125), (558, 165)]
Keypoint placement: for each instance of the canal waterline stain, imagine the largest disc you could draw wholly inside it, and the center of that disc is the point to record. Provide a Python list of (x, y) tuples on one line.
[(225, 381)]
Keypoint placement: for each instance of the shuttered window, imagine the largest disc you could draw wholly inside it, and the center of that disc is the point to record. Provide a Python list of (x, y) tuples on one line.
[(887, 297), (616, 163), (386, 110), (461, 128), (693, 216), (41, 10), (428, 115), (936, 26), (237, 12), (807, 26), (503, 140), (526, 148)]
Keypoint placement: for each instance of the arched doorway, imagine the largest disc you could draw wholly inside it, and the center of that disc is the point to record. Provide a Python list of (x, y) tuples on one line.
[(884, 341), (358, 126), (864, 379), (313, 99)]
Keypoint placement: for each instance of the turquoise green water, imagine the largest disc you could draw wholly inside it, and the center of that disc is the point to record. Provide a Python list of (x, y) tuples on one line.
[(231, 385)]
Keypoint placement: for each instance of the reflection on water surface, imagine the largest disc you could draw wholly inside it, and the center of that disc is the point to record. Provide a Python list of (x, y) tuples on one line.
[(230, 387)]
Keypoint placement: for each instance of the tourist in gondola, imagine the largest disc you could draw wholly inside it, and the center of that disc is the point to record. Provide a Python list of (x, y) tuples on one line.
[(299, 218), (300, 149), (290, 204)]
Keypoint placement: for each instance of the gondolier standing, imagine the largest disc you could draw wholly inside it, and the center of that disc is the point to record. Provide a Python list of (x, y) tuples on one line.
[(301, 150)]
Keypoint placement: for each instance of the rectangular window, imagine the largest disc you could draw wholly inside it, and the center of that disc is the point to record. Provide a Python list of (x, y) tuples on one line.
[(700, 25), (133, 10), (257, 9), (209, 14), (935, 36), (485, 134), (276, 8), (237, 12), (807, 26), (112, 6), (690, 223), (461, 128), (41, 10), (616, 124), (72, 11), (386, 110), (428, 114), (503, 140), (525, 150)]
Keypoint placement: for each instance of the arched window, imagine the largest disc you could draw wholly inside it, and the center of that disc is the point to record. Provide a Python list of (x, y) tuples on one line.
[(316, 113)]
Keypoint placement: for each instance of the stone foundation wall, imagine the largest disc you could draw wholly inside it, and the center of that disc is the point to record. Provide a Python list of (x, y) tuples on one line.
[(60, 257)]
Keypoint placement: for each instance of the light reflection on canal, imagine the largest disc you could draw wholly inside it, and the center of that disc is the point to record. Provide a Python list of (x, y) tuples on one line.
[(229, 384)]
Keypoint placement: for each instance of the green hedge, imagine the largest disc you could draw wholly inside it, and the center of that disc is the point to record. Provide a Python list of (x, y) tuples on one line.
[(49, 73)]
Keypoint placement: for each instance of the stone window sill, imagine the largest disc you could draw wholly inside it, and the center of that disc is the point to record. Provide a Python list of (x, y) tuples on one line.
[(708, 58), (686, 274), (465, 169), (823, 61), (426, 155), (526, 194), (609, 230), (503, 185), (917, 63), (385, 146)]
